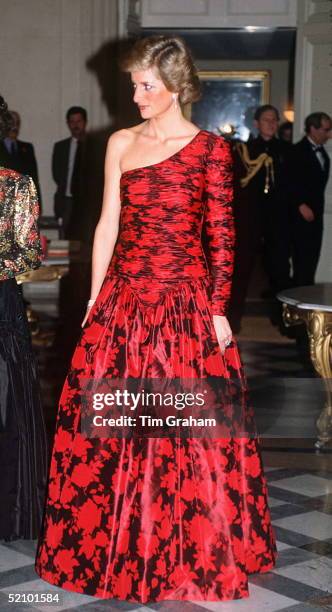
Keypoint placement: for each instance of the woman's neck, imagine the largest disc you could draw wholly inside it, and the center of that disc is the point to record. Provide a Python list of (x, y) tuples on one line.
[(170, 125)]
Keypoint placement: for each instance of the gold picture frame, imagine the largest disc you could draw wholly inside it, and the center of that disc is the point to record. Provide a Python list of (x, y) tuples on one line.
[(229, 98)]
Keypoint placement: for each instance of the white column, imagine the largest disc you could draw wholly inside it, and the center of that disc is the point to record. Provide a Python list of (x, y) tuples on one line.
[(313, 87)]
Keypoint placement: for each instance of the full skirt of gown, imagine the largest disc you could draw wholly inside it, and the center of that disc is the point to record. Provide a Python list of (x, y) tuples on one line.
[(151, 519), (23, 448)]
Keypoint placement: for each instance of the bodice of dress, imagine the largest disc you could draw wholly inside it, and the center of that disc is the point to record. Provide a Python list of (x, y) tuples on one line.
[(20, 247), (167, 207)]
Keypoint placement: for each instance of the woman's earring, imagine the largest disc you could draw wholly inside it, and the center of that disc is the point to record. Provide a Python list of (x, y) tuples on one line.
[(175, 100)]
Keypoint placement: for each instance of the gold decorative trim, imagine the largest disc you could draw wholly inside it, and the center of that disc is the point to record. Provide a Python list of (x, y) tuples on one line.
[(43, 274), (319, 328)]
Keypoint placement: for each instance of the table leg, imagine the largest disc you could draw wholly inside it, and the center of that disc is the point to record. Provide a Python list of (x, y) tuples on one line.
[(319, 326)]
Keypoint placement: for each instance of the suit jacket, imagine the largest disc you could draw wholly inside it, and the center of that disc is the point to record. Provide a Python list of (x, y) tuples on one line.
[(281, 152), (308, 177), (60, 162), (23, 162)]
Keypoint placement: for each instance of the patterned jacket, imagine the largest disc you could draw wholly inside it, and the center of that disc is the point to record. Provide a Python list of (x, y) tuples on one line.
[(20, 248)]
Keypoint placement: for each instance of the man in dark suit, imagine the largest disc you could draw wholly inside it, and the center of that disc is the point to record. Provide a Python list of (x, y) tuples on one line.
[(18, 155), (65, 166), (311, 166), (262, 215)]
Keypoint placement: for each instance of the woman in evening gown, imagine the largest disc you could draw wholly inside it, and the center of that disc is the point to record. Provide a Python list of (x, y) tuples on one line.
[(23, 453), (157, 518)]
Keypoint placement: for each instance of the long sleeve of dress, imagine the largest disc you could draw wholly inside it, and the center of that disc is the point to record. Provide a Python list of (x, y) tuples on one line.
[(20, 241), (219, 223)]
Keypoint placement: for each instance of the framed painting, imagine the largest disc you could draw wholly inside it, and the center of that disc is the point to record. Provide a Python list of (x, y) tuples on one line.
[(229, 100)]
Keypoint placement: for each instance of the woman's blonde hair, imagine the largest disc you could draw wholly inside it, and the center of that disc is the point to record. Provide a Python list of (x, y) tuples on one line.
[(172, 58)]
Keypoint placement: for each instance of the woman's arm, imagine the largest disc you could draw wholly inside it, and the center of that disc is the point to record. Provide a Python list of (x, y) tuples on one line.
[(108, 225), (220, 233), (219, 223)]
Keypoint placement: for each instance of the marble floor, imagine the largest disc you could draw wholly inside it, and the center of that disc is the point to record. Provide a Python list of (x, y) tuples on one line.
[(301, 507), (287, 398)]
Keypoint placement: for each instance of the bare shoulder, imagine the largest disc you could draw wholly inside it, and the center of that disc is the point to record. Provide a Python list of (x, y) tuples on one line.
[(117, 142), (122, 139)]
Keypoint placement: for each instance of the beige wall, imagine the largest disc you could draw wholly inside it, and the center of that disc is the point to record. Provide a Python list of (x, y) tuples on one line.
[(44, 46)]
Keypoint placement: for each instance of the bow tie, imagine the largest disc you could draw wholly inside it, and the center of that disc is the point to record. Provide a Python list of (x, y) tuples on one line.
[(317, 148)]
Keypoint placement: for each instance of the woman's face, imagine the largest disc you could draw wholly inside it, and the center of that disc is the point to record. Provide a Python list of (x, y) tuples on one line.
[(150, 93)]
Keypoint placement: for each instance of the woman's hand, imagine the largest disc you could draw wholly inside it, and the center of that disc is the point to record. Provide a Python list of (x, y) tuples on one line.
[(223, 331)]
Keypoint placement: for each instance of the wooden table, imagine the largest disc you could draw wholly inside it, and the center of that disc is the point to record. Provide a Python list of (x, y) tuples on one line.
[(312, 305)]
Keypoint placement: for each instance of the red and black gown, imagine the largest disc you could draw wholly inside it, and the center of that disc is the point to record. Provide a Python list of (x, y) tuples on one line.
[(150, 519)]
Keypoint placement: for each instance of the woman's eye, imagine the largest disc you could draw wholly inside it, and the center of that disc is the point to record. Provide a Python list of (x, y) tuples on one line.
[(146, 86)]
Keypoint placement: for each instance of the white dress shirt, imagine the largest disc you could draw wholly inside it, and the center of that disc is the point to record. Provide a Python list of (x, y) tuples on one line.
[(318, 152), (71, 162)]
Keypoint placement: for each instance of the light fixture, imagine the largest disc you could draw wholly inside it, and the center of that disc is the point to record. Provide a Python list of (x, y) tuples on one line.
[(227, 129), (289, 115)]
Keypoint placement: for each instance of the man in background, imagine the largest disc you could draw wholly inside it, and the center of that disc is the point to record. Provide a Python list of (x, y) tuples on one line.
[(311, 167), (262, 216), (18, 155), (66, 154), (285, 131)]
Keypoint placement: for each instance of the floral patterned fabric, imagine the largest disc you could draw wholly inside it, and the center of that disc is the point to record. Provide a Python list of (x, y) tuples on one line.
[(165, 209), (150, 519)]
